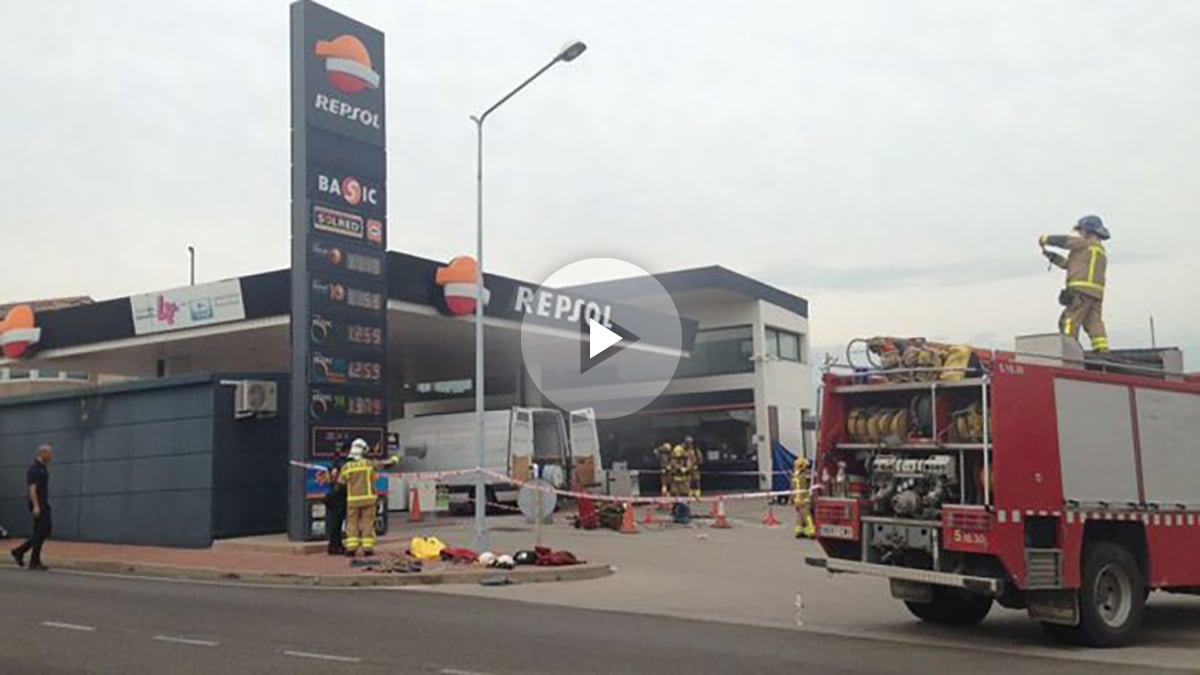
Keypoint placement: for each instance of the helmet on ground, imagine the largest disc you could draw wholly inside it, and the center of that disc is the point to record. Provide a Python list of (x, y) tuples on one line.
[(1094, 226), (358, 448), (525, 558), (487, 559), (505, 562)]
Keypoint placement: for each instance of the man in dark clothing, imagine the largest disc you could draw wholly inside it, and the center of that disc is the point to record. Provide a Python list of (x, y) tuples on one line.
[(38, 480), (335, 505)]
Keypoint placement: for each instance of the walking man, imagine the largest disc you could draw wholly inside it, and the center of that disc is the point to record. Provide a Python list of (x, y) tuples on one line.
[(38, 481)]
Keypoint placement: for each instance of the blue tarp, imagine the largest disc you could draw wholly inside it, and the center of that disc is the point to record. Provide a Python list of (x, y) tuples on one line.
[(782, 463)]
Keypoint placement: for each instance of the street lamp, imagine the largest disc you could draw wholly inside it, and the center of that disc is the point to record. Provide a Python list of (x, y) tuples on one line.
[(568, 53), (192, 265)]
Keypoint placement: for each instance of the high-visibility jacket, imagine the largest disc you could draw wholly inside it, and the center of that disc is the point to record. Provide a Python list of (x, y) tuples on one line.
[(359, 478), (1086, 264)]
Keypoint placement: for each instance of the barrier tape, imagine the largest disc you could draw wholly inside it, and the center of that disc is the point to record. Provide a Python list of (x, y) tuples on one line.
[(544, 487), (433, 475)]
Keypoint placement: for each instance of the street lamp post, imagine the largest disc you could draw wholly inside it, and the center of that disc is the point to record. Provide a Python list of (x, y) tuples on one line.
[(191, 265), (569, 53)]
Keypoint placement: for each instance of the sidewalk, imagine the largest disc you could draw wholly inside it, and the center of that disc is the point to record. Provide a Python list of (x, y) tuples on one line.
[(225, 563)]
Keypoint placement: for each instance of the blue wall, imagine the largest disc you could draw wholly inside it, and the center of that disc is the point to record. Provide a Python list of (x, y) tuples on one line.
[(158, 462)]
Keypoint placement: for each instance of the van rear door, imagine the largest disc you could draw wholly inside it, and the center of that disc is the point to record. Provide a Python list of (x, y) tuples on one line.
[(585, 447), (520, 444)]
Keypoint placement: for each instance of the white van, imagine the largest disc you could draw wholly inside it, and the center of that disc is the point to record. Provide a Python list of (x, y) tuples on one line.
[(514, 440)]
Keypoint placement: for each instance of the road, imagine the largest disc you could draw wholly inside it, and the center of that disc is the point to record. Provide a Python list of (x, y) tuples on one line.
[(59, 622)]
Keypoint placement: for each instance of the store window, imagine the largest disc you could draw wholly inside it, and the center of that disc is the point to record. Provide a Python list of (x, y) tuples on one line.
[(719, 351), (785, 345)]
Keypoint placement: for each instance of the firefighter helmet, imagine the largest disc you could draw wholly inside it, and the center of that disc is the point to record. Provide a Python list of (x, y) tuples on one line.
[(1093, 225), (679, 452), (801, 464), (358, 448)]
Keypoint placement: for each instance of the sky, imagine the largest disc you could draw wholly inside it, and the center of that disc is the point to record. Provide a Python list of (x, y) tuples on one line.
[(893, 162)]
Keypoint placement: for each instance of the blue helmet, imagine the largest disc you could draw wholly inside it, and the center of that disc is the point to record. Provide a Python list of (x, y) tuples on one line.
[(1093, 225)]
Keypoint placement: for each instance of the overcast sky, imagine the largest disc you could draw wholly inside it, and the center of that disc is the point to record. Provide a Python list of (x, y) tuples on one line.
[(894, 162)]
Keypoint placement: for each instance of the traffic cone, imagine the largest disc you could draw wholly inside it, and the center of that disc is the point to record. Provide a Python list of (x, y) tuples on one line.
[(713, 508), (414, 505), (721, 521), (771, 521), (629, 522)]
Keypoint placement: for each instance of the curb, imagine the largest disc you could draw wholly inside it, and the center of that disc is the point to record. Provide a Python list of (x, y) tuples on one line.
[(532, 575)]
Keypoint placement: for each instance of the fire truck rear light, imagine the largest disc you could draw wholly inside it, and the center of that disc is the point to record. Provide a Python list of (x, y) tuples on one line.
[(974, 520)]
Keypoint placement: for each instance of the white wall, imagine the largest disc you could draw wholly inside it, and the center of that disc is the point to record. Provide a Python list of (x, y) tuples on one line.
[(787, 385)]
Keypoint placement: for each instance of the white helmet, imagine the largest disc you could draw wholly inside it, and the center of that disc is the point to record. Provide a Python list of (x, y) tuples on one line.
[(487, 559), (505, 562), (358, 448)]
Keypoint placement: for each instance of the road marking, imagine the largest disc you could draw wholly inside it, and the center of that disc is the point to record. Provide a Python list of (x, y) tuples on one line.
[(186, 641), (323, 657), (456, 671), (68, 626)]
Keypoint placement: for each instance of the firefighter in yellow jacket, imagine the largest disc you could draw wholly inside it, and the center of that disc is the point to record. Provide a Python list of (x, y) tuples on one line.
[(802, 499), (359, 475), (1086, 264)]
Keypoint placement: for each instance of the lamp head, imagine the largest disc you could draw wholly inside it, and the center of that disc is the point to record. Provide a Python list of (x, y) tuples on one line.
[(572, 51)]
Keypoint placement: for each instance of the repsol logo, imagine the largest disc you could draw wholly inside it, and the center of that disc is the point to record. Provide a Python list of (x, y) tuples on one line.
[(560, 306), (348, 111)]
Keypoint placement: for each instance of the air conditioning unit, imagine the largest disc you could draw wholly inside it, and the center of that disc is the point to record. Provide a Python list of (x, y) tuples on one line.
[(255, 398)]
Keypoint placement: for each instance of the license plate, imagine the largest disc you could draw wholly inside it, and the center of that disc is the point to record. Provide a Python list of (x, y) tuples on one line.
[(836, 531)]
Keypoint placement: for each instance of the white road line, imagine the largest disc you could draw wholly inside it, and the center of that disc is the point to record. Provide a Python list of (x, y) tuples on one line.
[(323, 657), (186, 641), (68, 626), (456, 671)]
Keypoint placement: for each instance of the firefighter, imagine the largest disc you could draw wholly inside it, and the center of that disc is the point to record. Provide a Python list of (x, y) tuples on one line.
[(695, 459), (801, 499), (1086, 263), (663, 453), (680, 474), (359, 476)]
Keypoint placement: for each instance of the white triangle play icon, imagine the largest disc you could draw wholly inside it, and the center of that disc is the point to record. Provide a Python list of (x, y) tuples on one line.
[(600, 338)]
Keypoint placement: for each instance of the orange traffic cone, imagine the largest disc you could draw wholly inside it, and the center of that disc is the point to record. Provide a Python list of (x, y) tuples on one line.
[(629, 522), (721, 521), (414, 505), (771, 521)]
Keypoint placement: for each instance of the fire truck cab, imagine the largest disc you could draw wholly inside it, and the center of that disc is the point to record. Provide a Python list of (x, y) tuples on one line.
[(1040, 479)]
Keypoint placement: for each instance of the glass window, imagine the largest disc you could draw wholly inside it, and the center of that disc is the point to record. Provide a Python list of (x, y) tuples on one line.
[(786, 345), (719, 351), (16, 374)]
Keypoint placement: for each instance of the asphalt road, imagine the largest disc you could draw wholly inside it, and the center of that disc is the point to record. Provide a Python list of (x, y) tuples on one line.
[(58, 622)]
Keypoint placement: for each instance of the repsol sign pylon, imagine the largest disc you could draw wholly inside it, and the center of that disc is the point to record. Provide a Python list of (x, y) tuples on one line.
[(339, 240)]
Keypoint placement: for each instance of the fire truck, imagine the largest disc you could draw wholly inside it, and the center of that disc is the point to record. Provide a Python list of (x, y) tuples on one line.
[(1046, 479)]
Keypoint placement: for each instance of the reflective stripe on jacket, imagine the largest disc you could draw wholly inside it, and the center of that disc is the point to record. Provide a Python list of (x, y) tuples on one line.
[(359, 478), (1087, 263)]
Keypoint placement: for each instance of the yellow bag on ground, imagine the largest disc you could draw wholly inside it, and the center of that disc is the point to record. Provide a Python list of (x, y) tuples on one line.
[(426, 548)]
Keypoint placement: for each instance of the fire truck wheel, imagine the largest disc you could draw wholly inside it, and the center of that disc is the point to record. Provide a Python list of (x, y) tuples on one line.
[(952, 607), (1112, 596)]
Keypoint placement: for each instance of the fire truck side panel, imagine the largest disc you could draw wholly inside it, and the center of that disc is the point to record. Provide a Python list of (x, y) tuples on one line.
[(1168, 425), (1025, 465)]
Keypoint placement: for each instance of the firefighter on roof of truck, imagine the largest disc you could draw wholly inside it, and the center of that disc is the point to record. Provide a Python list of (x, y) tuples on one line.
[(1086, 264)]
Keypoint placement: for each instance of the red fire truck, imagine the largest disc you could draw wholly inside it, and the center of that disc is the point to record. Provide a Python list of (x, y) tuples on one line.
[(1039, 479)]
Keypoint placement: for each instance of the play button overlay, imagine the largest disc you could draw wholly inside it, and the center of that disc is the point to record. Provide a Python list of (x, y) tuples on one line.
[(601, 343), (600, 333)]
